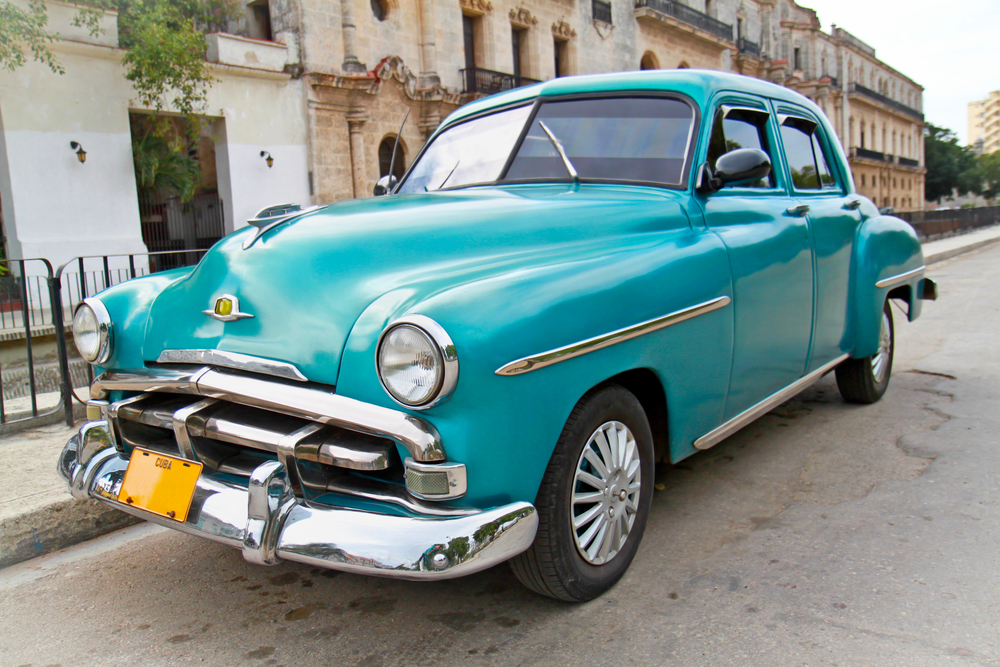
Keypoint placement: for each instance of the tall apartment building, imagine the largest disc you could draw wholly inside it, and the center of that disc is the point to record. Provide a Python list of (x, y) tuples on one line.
[(984, 124)]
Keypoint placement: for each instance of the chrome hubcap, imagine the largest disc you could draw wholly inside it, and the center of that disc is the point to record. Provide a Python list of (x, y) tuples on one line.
[(880, 362), (606, 492)]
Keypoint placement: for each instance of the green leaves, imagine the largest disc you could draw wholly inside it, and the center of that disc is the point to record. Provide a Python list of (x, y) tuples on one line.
[(161, 165), (20, 29), (950, 167)]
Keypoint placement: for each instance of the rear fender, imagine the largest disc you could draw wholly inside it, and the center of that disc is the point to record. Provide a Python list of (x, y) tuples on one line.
[(887, 264)]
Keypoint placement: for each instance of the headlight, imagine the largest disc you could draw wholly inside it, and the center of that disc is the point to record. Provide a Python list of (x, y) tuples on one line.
[(416, 362), (92, 331)]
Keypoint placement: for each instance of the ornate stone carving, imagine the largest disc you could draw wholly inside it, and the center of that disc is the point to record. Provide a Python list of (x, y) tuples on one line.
[(522, 17), (562, 29), (476, 7)]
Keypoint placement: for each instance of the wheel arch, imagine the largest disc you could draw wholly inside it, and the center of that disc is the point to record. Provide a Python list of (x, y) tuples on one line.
[(645, 385)]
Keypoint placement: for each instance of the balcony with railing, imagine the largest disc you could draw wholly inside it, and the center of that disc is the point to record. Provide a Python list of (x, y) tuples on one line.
[(602, 11), (487, 82), (870, 154), (858, 89), (744, 45), (907, 162), (668, 11)]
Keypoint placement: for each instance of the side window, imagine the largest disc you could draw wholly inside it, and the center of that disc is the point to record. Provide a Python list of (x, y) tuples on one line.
[(804, 153), (735, 128)]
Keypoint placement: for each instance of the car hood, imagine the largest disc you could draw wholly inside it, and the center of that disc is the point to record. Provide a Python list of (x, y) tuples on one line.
[(306, 282)]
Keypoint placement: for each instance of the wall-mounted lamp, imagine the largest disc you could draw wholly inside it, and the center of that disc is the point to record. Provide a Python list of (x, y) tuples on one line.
[(267, 158), (81, 154)]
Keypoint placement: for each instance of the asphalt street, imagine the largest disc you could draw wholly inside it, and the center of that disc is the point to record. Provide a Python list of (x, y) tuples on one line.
[(823, 534)]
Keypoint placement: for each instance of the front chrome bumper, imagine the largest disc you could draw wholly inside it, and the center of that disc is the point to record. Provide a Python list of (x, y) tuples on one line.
[(269, 524)]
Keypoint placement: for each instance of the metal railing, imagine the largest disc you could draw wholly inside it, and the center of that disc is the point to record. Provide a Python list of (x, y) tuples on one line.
[(690, 16), (879, 97), (168, 224), (935, 224), (487, 82), (30, 310), (602, 11), (867, 154), (744, 45), (907, 162)]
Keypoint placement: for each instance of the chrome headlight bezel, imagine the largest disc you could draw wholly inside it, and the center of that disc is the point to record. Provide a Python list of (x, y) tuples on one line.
[(105, 331), (447, 357)]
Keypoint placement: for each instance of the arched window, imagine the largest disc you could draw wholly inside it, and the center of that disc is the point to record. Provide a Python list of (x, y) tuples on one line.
[(385, 156), (683, 65), (649, 61)]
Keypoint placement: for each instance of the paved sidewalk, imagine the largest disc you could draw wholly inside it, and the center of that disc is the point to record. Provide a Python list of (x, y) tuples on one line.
[(38, 515)]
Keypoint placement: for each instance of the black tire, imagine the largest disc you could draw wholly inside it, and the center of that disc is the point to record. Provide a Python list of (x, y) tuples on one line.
[(864, 380), (554, 565)]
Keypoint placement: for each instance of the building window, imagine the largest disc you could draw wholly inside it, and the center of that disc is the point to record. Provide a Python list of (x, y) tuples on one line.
[(739, 28), (649, 61), (259, 20), (385, 157), (559, 47), (683, 65), (862, 180), (862, 136), (798, 58), (380, 8), (709, 8), (517, 48), (469, 34)]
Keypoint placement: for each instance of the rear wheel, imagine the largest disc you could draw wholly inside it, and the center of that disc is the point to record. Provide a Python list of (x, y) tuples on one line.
[(594, 500), (865, 380)]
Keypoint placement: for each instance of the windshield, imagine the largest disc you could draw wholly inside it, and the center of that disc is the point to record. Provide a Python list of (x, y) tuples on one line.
[(637, 139)]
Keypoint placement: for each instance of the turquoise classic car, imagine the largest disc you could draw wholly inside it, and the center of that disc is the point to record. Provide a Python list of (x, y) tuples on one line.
[(571, 282)]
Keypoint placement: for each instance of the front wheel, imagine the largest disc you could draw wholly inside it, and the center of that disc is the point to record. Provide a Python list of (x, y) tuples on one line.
[(594, 500), (865, 380)]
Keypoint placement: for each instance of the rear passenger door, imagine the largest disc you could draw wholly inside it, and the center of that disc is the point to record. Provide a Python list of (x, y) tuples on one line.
[(819, 184), (770, 255)]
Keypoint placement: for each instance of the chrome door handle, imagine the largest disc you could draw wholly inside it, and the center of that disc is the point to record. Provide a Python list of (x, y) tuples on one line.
[(853, 205), (801, 209)]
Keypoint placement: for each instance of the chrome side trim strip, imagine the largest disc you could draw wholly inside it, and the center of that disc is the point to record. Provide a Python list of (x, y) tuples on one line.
[(901, 278), (536, 361), (716, 436), (242, 362)]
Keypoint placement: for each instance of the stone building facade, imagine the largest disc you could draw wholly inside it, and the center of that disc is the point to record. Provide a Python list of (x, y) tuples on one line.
[(366, 63), (984, 124)]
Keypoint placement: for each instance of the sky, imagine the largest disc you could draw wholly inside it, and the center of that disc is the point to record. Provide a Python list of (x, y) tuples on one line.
[(950, 48)]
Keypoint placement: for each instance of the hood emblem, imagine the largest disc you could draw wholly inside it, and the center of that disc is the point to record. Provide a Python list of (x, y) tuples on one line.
[(227, 309)]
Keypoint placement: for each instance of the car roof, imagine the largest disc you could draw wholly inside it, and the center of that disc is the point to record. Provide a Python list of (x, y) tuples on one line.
[(699, 85)]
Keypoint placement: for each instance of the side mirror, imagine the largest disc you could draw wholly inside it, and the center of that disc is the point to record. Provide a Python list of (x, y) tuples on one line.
[(385, 185), (740, 165)]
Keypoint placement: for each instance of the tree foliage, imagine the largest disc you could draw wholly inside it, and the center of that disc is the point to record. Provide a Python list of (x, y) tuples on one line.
[(163, 164), (164, 42), (22, 29), (988, 173), (950, 167)]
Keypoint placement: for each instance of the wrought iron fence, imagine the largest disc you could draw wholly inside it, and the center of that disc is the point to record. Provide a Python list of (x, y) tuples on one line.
[(907, 162), (602, 11), (868, 154), (487, 82), (744, 45), (31, 381), (935, 224), (690, 16), (170, 225)]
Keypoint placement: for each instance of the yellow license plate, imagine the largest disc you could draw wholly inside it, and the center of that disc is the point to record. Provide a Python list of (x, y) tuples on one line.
[(160, 484)]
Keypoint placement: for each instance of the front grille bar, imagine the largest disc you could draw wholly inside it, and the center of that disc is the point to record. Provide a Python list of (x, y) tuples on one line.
[(419, 437)]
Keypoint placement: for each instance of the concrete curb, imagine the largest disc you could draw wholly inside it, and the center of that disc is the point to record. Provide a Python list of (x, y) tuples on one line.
[(57, 526), (955, 252)]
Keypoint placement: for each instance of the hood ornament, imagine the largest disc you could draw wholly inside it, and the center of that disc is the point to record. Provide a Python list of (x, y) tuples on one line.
[(227, 309), (272, 216)]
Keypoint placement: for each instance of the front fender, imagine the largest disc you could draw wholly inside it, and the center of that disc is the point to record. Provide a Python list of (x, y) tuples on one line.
[(885, 247), (128, 304), (504, 428)]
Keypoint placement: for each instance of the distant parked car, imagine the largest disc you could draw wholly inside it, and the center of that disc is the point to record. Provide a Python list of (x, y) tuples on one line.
[(572, 281)]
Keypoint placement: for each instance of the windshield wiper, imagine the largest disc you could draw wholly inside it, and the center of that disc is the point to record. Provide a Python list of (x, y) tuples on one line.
[(449, 175), (562, 153)]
